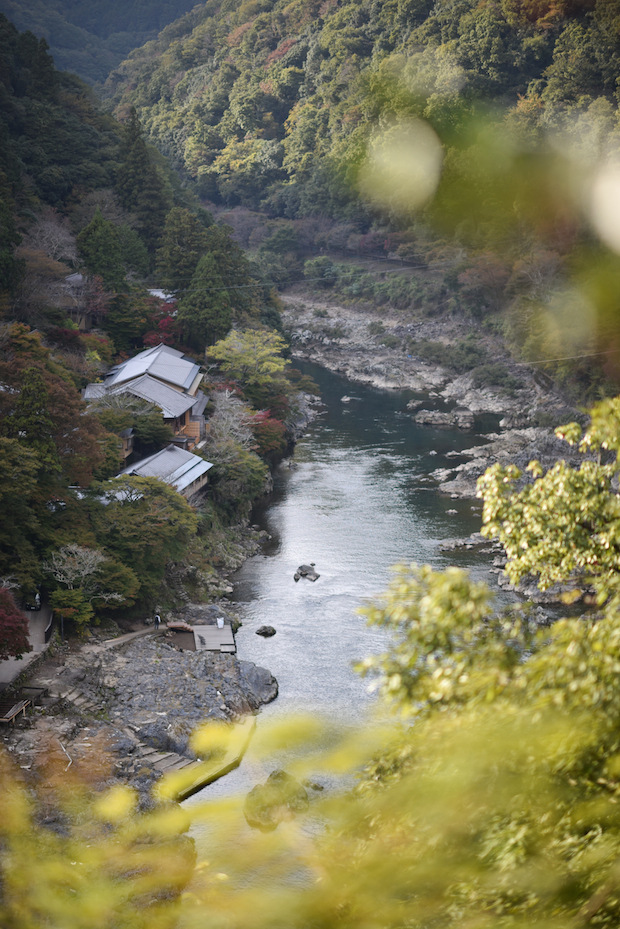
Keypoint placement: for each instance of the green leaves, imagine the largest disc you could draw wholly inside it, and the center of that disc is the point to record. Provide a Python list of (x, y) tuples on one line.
[(440, 620), (205, 311), (566, 524), (183, 243), (250, 356), (145, 524), (100, 250)]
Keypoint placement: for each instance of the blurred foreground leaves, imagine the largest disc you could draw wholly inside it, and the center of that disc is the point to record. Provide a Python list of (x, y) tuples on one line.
[(494, 802)]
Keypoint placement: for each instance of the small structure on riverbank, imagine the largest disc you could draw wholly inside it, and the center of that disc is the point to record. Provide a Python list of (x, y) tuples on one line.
[(215, 638), (184, 471)]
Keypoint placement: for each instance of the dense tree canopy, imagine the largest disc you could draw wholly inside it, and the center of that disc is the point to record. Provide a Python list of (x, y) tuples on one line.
[(100, 250), (282, 88), (140, 185), (90, 39), (183, 243), (145, 524), (205, 310)]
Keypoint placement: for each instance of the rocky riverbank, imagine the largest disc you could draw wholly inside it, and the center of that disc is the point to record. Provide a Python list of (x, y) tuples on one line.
[(345, 340), (124, 711), (513, 446)]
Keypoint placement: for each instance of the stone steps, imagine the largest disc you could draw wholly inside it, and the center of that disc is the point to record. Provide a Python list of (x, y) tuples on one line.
[(163, 762)]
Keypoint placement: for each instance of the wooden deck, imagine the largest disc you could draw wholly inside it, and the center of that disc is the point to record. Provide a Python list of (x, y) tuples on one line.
[(10, 710), (214, 639)]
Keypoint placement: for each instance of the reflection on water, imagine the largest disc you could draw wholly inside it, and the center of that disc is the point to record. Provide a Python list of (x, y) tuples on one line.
[(354, 500)]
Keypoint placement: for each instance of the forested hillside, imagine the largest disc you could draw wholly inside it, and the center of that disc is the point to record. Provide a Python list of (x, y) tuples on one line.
[(91, 38), (269, 102), (274, 109), (91, 218)]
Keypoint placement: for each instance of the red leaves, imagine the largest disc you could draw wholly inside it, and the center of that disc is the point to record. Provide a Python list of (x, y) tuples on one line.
[(13, 628), (270, 434), (165, 327)]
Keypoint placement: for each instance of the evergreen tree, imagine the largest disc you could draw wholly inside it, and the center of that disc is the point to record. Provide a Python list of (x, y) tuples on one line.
[(100, 249), (20, 528), (43, 74), (127, 320), (140, 186), (31, 422), (134, 254), (234, 270), (184, 241), (11, 269), (205, 312)]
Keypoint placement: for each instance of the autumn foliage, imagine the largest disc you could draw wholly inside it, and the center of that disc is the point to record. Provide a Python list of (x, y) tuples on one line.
[(13, 628), (270, 434)]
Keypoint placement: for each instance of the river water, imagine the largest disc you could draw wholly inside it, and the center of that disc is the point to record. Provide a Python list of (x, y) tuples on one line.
[(355, 498)]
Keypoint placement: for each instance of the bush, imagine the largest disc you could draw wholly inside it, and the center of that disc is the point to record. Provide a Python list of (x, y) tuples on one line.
[(390, 341), (460, 356), (237, 482), (270, 435), (322, 271), (495, 375)]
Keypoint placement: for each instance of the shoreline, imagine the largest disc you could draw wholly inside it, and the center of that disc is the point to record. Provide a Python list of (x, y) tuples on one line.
[(358, 356), (81, 701), (133, 702), (341, 339)]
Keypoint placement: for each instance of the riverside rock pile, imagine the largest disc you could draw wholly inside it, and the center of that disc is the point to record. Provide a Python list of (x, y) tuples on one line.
[(515, 446), (365, 358), (125, 713), (164, 694)]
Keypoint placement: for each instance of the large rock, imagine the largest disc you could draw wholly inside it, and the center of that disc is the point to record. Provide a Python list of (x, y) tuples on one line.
[(463, 417), (275, 801), (266, 631), (516, 446), (163, 694), (258, 683), (307, 571), (435, 418), (460, 416)]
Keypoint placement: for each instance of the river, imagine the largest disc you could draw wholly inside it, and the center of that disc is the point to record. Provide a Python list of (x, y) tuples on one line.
[(355, 498)]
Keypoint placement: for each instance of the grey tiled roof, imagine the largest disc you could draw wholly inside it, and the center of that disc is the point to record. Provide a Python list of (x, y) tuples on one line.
[(94, 391), (161, 362), (173, 465), (200, 402), (170, 401)]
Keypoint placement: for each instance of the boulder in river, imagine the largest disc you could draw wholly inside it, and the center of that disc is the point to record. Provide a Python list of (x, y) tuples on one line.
[(434, 418), (307, 571), (463, 417), (266, 631), (460, 416), (257, 682), (275, 801)]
